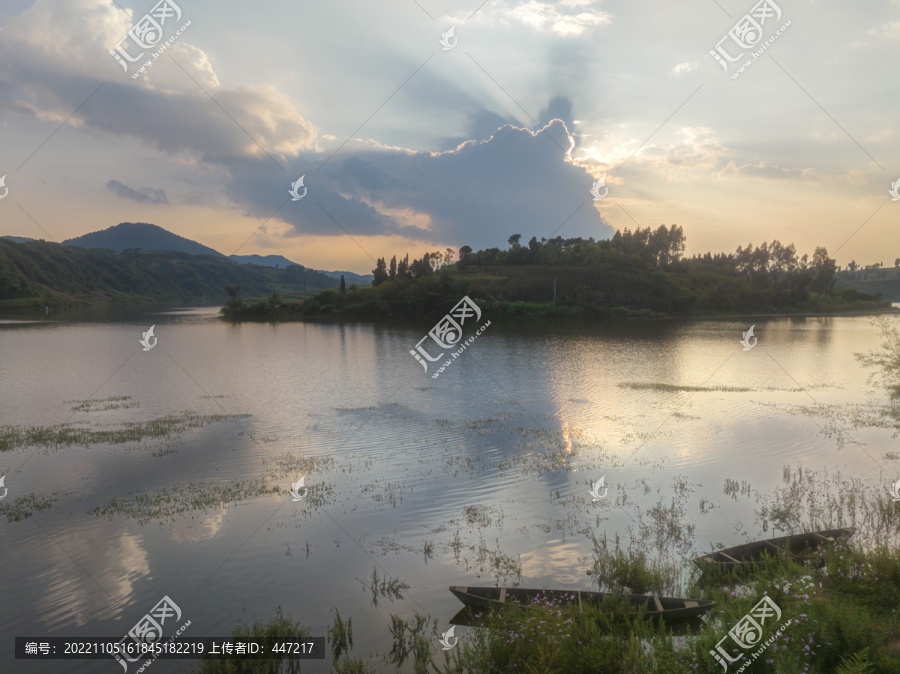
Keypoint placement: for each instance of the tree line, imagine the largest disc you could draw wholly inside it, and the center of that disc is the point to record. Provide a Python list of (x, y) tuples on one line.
[(769, 265), (426, 266)]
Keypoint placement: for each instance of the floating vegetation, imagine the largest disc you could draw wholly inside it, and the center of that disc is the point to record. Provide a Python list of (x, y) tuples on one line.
[(670, 388), (292, 465), (366, 408), (103, 404), (385, 493), (733, 488), (171, 502), (76, 434), (25, 506), (383, 588), (483, 515)]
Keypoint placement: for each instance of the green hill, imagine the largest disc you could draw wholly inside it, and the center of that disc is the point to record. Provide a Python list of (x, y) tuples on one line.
[(37, 273), (140, 235)]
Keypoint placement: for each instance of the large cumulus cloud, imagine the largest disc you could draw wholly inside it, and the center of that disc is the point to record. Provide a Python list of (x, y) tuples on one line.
[(518, 181)]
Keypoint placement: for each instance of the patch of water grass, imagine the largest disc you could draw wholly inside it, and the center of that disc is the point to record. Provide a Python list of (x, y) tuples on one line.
[(383, 587), (280, 627), (77, 434), (25, 506), (171, 502), (103, 404)]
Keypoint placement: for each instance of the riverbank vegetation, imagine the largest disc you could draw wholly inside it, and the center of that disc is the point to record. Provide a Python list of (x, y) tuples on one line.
[(838, 614), (634, 274), (36, 274)]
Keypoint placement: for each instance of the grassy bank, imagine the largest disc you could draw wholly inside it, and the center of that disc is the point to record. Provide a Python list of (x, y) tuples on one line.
[(838, 615)]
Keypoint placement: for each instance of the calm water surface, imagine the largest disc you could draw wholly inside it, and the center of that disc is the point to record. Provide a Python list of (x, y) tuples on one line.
[(437, 482)]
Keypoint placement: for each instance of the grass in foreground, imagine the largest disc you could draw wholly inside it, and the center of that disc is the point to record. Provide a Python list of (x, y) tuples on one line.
[(840, 608)]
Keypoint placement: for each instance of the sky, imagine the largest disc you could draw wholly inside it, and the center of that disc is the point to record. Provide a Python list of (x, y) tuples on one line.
[(405, 146)]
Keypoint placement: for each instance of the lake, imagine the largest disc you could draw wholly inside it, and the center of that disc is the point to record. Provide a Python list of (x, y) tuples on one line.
[(174, 472)]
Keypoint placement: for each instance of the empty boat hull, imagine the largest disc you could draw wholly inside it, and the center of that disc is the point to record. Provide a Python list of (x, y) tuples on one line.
[(797, 546), (668, 608)]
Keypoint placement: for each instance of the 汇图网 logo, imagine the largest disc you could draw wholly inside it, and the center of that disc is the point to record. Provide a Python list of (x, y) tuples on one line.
[(145, 342), (748, 632), (598, 485), (149, 630), (895, 491), (747, 33), (147, 33), (894, 191), (446, 637), (296, 487), (745, 342), (294, 191), (595, 190), (447, 37), (447, 333)]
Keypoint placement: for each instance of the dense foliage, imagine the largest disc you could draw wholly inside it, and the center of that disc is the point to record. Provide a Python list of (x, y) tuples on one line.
[(640, 273), (38, 273)]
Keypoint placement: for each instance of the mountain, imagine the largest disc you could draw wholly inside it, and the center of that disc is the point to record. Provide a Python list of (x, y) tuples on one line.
[(147, 237), (350, 277), (39, 272), (140, 235), (264, 260), (18, 239)]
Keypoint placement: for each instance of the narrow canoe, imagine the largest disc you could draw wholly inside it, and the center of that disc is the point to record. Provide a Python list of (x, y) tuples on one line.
[(496, 597), (797, 546)]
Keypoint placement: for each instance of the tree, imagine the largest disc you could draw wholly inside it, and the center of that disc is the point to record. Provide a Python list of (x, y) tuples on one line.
[(343, 287), (380, 272), (514, 240), (421, 268), (393, 270), (235, 301), (274, 303), (403, 267), (464, 252), (897, 262), (825, 270)]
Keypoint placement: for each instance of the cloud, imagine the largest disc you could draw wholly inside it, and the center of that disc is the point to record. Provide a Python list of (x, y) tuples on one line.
[(890, 29), (568, 18), (56, 53), (474, 195), (143, 195), (682, 68), (769, 172), (699, 151)]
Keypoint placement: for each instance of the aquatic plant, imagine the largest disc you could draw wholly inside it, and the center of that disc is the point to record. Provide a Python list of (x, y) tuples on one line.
[(279, 627)]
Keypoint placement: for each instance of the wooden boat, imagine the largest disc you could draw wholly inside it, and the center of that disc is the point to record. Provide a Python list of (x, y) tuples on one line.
[(797, 546), (496, 597)]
